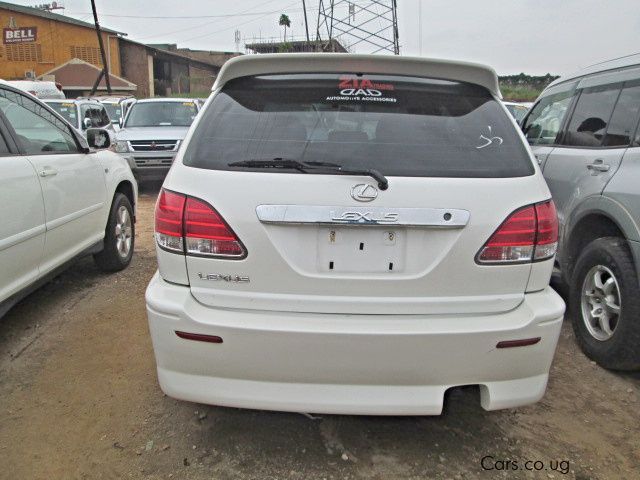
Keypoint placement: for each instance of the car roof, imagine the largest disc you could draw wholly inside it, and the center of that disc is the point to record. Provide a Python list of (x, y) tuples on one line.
[(619, 63), (71, 100), (280, 63), (164, 99)]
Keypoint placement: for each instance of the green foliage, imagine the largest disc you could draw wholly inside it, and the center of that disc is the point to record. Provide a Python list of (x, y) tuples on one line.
[(284, 21), (523, 87)]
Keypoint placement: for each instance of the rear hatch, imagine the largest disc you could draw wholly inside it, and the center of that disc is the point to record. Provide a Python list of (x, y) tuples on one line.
[(283, 160)]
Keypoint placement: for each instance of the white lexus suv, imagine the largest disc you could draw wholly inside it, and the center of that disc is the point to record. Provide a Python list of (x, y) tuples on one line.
[(59, 198), (354, 234)]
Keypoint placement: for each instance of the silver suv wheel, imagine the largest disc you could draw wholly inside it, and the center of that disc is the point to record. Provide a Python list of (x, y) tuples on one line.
[(601, 302)]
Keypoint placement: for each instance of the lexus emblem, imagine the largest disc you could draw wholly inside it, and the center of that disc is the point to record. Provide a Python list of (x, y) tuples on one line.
[(364, 192)]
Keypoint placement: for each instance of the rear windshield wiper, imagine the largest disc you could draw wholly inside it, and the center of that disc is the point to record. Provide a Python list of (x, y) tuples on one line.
[(305, 167)]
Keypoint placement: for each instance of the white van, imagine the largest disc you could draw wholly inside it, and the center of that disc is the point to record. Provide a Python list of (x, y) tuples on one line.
[(354, 234), (38, 88)]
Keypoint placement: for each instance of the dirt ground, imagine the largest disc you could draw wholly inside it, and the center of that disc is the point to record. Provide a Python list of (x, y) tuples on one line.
[(79, 399)]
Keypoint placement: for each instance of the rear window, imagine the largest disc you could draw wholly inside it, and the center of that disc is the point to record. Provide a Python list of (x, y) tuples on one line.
[(401, 126)]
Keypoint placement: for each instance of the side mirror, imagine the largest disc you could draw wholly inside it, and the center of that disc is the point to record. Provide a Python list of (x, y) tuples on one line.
[(98, 138), (86, 123)]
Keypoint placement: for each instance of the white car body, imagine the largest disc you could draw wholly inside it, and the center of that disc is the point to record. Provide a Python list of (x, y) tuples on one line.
[(294, 333), (54, 207), (38, 88)]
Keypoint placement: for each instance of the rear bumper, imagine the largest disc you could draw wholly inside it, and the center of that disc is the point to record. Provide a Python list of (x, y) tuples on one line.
[(349, 364)]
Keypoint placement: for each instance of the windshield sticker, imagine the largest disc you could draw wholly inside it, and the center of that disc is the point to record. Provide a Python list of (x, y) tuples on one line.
[(490, 139), (362, 90), (188, 104)]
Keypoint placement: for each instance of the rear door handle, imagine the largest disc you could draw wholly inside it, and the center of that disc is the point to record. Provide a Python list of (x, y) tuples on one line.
[(48, 172), (598, 166)]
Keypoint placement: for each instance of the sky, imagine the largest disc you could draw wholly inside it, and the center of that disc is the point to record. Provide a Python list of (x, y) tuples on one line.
[(531, 36)]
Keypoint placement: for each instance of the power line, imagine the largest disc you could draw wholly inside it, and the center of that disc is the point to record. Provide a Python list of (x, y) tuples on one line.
[(201, 24), (237, 25), (177, 17)]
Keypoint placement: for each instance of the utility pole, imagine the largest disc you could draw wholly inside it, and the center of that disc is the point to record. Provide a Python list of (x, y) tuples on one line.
[(306, 26), (105, 68), (420, 27)]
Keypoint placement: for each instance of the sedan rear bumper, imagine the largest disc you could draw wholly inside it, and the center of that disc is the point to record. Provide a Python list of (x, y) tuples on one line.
[(349, 364)]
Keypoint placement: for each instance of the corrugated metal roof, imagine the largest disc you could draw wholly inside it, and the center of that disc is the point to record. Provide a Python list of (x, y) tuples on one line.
[(77, 74), (36, 12)]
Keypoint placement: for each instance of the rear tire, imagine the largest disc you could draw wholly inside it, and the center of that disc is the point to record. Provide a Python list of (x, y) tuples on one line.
[(605, 304), (119, 237)]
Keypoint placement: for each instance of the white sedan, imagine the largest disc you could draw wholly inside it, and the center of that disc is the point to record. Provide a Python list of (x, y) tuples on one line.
[(59, 198)]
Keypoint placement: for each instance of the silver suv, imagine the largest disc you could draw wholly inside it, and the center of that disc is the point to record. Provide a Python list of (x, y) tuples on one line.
[(584, 133), (151, 133), (82, 114)]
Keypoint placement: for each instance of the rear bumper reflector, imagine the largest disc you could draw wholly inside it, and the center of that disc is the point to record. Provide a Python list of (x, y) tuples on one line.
[(518, 343), (199, 337)]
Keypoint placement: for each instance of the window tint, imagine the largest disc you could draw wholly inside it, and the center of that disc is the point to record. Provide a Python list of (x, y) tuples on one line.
[(4, 148), (591, 116), (400, 126), (624, 119), (38, 130), (542, 125)]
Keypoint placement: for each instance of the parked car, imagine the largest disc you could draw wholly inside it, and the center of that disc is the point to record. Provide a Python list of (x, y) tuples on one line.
[(517, 110), (584, 132), (200, 102), (83, 114), (59, 198), (116, 108), (38, 88), (152, 132), (353, 234)]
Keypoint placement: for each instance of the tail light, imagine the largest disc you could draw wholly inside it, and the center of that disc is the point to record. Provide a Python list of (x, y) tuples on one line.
[(168, 217), (529, 234), (193, 227)]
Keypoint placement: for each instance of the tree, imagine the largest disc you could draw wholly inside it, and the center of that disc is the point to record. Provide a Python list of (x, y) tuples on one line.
[(284, 22)]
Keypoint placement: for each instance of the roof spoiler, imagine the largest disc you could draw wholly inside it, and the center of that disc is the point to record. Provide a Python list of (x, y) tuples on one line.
[(282, 63)]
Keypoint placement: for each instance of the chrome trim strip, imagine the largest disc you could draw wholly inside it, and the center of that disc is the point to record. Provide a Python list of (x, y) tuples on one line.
[(356, 215)]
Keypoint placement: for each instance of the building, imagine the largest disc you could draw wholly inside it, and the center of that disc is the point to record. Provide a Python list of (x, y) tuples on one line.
[(294, 46), (159, 72), (207, 56), (78, 77), (35, 42), (48, 46)]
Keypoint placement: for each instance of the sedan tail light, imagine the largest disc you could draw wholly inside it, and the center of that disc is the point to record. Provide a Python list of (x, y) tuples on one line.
[(528, 234), (191, 226)]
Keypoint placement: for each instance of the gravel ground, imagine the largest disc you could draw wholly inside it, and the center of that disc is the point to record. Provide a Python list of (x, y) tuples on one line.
[(79, 399)]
